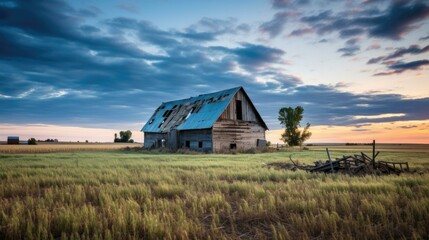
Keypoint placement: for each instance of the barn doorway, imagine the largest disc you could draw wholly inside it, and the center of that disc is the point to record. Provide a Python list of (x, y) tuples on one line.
[(239, 110), (232, 146)]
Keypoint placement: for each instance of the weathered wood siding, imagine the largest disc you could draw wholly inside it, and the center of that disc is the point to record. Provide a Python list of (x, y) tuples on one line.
[(195, 137), (248, 112), (154, 140), (244, 134)]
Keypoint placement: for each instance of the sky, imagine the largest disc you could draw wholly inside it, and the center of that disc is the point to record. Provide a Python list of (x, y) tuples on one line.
[(83, 70)]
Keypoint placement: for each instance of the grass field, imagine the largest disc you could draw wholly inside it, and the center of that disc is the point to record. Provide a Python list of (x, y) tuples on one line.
[(131, 195), (64, 147)]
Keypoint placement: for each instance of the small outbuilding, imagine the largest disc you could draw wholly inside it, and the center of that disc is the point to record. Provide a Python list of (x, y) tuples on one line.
[(13, 140), (213, 122)]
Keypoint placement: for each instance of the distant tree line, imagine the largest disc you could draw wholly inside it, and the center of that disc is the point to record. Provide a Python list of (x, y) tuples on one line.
[(48, 140), (124, 136), (33, 141), (356, 144)]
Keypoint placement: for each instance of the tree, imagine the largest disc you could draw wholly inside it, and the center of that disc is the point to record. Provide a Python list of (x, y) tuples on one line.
[(125, 135), (290, 118), (32, 141)]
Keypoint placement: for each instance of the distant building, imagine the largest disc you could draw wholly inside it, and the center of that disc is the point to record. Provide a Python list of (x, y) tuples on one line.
[(212, 122), (13, 140)]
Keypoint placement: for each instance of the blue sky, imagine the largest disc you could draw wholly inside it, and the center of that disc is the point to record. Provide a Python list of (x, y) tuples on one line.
[(109, 64)]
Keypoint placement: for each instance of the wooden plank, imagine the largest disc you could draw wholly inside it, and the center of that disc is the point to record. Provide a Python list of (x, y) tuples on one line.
[(243, 134)]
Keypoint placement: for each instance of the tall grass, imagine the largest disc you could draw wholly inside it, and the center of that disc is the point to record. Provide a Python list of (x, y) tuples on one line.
[(114, 195)]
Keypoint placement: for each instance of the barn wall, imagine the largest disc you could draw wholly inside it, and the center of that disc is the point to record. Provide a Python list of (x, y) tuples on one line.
[(242, 133), (194, 137), (248, 112), (13, 141), (154, 140)]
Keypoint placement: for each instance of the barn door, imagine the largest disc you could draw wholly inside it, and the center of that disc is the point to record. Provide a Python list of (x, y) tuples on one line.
[(172, 141)]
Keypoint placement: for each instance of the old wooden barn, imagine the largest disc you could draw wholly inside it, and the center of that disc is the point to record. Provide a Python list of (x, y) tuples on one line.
[(213, 122), (13, 140)]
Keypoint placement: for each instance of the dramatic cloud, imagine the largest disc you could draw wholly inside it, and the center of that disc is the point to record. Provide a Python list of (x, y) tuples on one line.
[(288, 3), (275, 26), (398, 19), (256, 56), (400, 67), (50, 67), (63, 65), (350, 49), (301, 32), (325, 105), (400, 52), (351, 32)]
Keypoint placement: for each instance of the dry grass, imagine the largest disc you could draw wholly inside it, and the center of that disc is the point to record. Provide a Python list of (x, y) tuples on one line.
[(379, 147), (131, 195), (64, 147)]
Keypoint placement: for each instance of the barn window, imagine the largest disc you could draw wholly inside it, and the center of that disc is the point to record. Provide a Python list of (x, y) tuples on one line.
[(239, 110), (188, 144), (233, 146), (200, 144)]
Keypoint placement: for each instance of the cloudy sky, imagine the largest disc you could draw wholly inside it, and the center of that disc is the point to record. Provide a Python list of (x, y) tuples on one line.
[(77, 70)]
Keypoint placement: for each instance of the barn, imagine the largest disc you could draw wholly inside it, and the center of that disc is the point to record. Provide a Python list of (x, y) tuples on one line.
[(214, 122), (13, 140)]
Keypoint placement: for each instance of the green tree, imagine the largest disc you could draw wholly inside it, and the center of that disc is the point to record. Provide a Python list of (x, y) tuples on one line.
[(291, 118), (32, 141), (125, 135)]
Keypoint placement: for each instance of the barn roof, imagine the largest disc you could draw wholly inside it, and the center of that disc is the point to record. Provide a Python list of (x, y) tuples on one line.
[(199, 112)]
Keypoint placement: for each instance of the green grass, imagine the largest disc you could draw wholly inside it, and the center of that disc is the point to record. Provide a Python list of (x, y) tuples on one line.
[(127, 195)]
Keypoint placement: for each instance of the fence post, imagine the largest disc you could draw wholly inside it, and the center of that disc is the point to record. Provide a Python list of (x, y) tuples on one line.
[(330, 161)]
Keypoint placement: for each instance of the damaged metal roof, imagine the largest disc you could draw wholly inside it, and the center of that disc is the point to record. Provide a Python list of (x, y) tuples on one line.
[(199, 112)]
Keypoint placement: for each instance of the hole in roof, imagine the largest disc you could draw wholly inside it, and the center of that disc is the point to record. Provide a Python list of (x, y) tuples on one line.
[(151, 121), (189, 114)]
